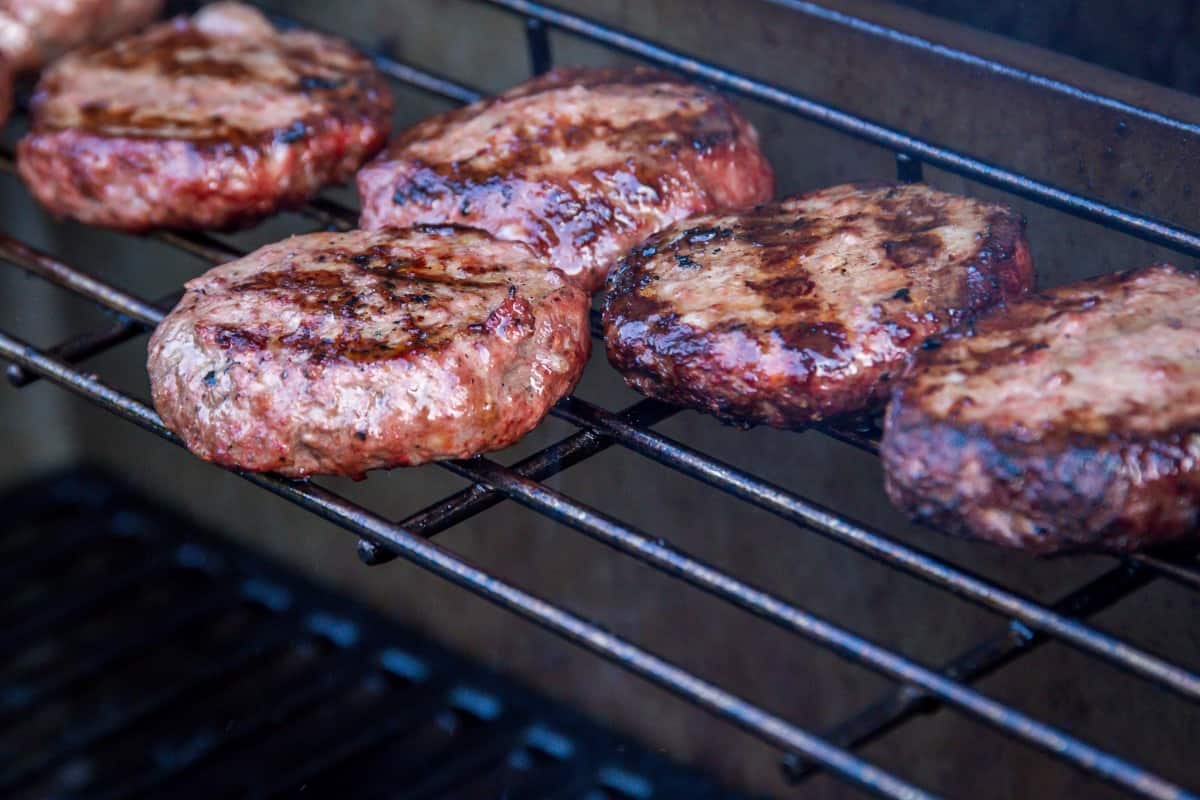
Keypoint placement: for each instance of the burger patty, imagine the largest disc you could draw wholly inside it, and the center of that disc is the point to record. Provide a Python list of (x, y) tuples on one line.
[(793, 312), (1071, 421), (337, 353), (208, 122), (580, 163), (34, 32)]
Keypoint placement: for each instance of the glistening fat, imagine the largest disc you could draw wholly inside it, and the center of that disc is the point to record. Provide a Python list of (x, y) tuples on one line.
[(579, 163), (793, 312)]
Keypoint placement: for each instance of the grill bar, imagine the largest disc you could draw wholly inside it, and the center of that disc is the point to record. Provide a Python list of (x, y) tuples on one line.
[(407, 74), (1184, 573), (1143, 227), (82, 347), (91, 343), (201, 245), (802, 512), (537, 37), (336, 509), (679, 564), (539, 466), (1032, 79), (100, 293), (901, 704)]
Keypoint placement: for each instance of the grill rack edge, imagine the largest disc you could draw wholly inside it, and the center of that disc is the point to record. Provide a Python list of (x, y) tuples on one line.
[(920, 688)]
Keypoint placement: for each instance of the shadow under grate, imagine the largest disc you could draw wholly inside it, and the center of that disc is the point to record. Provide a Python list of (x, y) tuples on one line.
[(140, 656)]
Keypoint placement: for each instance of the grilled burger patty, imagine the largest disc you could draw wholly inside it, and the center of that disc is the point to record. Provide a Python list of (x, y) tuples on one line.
[(33, 32), (580, 163), (336, 353), (208, 122), (796, 311), (1071, 421)]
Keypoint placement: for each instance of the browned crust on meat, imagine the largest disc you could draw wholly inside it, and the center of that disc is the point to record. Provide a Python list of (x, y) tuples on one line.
[(114, 170), (810, 357), (341, 353), (523, 182), (1091, 480)]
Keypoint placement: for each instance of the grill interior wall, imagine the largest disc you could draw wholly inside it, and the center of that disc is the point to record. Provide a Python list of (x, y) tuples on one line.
[(1057, 140)]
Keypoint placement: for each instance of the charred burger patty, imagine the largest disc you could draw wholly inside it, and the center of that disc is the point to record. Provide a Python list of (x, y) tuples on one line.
[(580, 163), (1070, 421), (339, 353), (208, 122), (800, 310)]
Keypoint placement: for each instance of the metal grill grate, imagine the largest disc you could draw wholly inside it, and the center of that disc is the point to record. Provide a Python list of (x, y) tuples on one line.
[(920, 689), (164, 661)]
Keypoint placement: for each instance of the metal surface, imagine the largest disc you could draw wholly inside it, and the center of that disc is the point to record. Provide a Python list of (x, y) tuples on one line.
[(921, 689)]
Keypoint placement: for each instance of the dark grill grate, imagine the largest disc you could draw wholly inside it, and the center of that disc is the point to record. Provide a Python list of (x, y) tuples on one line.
[(921, 689), (160, 660)]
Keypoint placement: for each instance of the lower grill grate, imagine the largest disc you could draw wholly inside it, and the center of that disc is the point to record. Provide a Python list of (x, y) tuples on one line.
[(159, 660)]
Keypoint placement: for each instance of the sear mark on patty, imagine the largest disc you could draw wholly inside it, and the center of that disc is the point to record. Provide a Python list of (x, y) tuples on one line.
[(438, 342), (800, 312), (210, 121), (581, 164)]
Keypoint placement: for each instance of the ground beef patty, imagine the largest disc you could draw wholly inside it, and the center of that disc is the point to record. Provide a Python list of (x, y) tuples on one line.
[(33, 32), (796, 311), (208, 122), (336, 353), (1070, 421), (581, 163)]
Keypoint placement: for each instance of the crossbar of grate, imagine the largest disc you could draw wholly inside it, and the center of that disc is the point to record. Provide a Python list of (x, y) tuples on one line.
[(546, 462), (569, 626), (910, 559), (902, 703), (727, 588)]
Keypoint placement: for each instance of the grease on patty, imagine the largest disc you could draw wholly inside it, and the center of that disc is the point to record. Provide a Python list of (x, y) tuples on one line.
[(796, 311)]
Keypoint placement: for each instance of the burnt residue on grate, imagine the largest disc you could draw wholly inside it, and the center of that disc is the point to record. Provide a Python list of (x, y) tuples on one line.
[(142, 657)]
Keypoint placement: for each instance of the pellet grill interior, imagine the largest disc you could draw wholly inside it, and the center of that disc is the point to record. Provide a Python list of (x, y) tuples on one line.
[(809, 641)]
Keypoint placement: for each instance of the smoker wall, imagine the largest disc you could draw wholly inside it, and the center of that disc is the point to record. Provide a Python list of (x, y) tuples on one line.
[(985, 114)]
